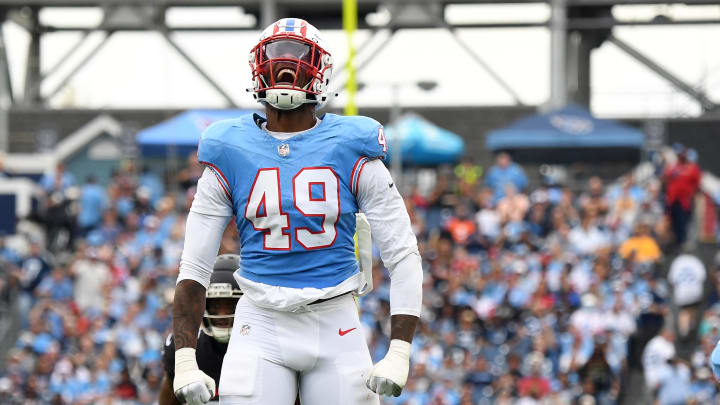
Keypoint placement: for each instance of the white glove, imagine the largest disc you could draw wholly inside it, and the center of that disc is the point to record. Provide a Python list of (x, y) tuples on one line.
[(390, 374), (190, 384)]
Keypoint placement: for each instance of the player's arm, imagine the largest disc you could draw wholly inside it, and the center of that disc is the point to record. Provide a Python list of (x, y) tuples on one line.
[(167, 396), (209, 215), (385, 209)]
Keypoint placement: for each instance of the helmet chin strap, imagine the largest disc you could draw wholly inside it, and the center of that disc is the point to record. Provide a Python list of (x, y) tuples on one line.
[(288, 99), (283, 99)]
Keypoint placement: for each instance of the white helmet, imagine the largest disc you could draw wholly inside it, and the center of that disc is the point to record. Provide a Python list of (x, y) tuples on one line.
[(222, 285), (290, 65)]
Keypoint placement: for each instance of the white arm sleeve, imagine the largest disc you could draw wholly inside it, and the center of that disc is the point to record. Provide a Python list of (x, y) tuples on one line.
[(209, 215), (210, 198), (384, 208)]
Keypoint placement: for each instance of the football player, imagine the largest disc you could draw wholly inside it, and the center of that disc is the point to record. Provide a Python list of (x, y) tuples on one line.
[(294, 182), (221, 298)]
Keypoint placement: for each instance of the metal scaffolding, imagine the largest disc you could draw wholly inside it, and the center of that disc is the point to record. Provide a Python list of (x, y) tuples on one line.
[(577, 27)]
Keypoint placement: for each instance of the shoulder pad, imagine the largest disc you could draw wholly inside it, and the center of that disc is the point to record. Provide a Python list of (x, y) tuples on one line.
[(217, 129), (366, 133), (212, 150)]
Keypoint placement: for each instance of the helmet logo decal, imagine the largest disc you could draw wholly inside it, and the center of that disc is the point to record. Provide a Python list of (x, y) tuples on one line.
[(245, 330)]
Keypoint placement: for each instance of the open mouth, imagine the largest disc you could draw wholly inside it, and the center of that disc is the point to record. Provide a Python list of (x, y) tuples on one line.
[(285, 76)]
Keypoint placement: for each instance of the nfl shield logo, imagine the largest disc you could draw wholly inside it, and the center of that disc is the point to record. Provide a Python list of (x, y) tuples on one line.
[(283, 149)]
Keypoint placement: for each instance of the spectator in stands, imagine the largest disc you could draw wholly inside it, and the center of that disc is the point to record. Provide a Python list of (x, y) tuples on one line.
[(675, 386), (656, 356), (487, 218), (641, 247), (151, 181), (33, 269), (594, 198), (441, 201), (539, 217), (704, 388), (58, 180), (534, 385), (91, 275), (7, 253), (57, 216), (58, 286), (596, 372), (125, 389), (682, 180), (713, 297), (189, 176), (619, 319), (513, 206), (461, 226), (92, 204), (587, 238), (109, 229), (566, 209), (625, 202), (505, 172), (687, 276), (467, 172), (479, 376)]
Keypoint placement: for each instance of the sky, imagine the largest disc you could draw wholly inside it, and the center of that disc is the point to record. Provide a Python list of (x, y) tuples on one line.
[(139, 70)]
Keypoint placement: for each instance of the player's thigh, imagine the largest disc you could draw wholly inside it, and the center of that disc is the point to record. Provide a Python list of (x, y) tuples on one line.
[(344, 361), (248, 379), (339, 381), (252, 370)]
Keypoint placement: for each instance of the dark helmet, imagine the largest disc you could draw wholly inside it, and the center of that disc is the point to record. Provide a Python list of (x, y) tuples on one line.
[(222, 285)]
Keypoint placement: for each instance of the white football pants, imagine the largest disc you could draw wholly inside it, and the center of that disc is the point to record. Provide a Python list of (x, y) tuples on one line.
[(321, 351)]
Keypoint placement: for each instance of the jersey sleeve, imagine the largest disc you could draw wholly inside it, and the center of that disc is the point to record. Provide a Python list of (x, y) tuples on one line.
[(364, 136), (213, 154), (168, 357), (375, 145)]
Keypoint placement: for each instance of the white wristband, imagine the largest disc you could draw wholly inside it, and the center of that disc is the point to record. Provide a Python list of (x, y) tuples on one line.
[(399, 348), (185, 360)]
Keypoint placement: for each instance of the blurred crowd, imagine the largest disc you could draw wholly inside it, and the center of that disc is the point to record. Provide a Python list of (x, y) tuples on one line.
[(542, 295)]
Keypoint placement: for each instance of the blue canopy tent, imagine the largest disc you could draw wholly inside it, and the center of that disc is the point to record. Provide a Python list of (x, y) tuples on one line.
[(423, 143), (567, 135), (182, 131)]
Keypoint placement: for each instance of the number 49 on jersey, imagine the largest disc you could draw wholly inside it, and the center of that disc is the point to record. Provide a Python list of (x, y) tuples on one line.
[(264, 208)]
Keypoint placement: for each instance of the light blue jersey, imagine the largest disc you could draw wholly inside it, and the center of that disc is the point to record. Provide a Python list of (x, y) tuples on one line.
[(294, 200), (715, 361)]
